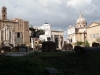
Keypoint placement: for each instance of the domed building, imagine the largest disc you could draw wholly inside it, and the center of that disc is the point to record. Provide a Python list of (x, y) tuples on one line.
[(81, 22), (77, 32)]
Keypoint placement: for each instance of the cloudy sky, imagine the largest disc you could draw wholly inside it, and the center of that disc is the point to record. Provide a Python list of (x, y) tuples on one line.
[(59, 13)]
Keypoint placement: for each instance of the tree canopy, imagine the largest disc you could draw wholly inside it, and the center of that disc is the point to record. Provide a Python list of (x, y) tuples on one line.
[(36, 32)]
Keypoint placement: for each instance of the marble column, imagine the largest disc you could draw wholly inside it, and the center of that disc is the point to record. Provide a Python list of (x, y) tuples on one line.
[(59, 42), (13, 36), (53, 38), (32, 45), (1, 36), (8, 34)]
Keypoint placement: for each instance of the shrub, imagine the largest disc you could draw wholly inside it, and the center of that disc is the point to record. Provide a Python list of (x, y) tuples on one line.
[(87, 44), (79, 43)]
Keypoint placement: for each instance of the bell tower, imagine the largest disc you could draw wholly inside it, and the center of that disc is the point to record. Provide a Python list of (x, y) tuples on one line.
[(4, 13)]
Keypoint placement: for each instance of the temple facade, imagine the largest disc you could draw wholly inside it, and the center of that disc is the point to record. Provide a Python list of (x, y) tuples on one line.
[(15, 31)]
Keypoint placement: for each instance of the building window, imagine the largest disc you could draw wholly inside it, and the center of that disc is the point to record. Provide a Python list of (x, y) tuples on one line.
[(91, 36), (18, 34), (97, 35)]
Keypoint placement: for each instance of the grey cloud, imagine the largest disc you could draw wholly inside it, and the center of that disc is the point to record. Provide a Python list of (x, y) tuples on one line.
[(58, 14)]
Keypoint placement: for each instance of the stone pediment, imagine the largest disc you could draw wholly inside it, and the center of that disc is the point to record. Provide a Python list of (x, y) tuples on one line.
[(93, 24)]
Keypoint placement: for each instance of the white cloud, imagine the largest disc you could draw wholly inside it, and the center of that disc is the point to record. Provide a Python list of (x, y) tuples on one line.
[(50, 2), (78, 4), (50, 7), (65, 35), (55, 12)]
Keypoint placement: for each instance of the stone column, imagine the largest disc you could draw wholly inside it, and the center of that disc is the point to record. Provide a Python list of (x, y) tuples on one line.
[(0, 38), (32, 45), (8, 34), (59, 42), (3, 34), (53, 38), (13, 36)]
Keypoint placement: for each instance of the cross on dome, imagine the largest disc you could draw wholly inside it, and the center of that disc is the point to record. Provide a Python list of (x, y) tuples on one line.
[(80, 16)]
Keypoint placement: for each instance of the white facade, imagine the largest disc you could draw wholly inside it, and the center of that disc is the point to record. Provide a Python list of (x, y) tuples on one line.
[(82, 30), (47, 28), (71, 30), (77, 32), (71, 34)]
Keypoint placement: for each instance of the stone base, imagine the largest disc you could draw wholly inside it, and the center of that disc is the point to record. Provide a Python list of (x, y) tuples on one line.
[(6, 43)]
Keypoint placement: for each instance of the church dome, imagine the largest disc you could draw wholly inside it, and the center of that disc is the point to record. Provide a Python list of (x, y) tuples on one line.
[(80, 19), (81, 22)]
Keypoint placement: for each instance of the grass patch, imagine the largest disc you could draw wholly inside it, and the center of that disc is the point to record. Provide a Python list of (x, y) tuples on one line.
[(36, 63)]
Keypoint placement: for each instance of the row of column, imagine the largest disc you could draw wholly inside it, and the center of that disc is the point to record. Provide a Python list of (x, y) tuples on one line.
[(6, 33)]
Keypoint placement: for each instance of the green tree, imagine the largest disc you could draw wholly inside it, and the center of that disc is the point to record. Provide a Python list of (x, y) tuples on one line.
[(78, 43), (36, 32), (40, 31), (87, 44)]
